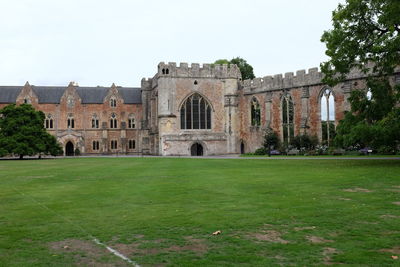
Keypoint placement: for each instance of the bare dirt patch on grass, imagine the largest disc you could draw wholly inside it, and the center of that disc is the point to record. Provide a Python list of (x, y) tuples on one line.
[(393, 190), (395, 250), (344, 199), (396, 203), (38, 176), (389, 216), (358, 190), (327, 254), (197, 246), (270, 236), (85, 253), (317, 239), (304, 228)]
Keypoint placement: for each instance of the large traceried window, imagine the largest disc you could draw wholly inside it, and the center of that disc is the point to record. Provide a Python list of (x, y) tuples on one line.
[(327, 116), (196, 113), (287, 118), (255, 112)]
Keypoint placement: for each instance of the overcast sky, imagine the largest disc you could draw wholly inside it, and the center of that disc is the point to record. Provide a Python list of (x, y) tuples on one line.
[(98, 42)]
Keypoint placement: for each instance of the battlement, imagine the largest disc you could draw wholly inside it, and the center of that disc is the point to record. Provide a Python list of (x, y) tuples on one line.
[(290, 80), (197, 71)]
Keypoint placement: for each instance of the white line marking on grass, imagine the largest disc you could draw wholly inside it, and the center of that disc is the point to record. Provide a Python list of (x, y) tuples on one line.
[(115, 252), (94, 239)]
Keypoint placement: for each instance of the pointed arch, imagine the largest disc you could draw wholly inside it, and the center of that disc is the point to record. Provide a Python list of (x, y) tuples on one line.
[(196, 112), (327, 111), (287, 108), (255, 110)]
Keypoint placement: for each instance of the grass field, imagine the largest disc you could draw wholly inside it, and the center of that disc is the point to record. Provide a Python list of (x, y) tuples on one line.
[(163, 211)]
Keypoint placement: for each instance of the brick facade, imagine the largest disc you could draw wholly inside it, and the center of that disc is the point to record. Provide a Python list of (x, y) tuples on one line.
[(158, 108)]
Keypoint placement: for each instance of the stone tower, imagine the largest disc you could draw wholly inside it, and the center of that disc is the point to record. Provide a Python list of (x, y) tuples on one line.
[(193, 110)]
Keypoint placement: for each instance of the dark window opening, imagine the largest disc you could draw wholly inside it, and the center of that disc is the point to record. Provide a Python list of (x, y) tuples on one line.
[(132, 144), (96, 145), (114, 144), (255, 113), (71, 123)]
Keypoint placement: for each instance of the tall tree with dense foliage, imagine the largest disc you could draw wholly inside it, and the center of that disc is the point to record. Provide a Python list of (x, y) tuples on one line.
[(245, 68), (22, 132), (366, 36)]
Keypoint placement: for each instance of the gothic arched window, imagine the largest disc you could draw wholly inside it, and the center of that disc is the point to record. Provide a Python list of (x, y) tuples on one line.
[(70, 121), (196, 113), (113, 102), (131, 122), (255, 112), (287, 118), (49, 122), (95, 121), (113, 121), (327, 116)]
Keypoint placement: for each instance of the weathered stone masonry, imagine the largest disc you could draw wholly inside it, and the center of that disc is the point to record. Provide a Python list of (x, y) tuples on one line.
[(184, 110)]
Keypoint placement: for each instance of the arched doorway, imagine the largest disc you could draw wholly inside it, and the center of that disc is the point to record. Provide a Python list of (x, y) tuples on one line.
[(242, 148), (69, 149), (196, 149)]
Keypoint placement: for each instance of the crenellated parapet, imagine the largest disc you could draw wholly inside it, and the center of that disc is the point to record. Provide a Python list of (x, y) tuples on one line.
[(290, 80), (196, 70)]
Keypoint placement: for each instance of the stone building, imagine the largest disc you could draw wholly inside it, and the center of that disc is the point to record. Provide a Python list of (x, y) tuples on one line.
[(189, 110)]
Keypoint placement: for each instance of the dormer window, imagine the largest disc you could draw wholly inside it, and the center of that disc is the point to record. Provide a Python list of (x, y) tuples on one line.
[(113, 102)]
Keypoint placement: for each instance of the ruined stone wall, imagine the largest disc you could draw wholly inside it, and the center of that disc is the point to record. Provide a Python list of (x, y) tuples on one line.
[(305, 90)]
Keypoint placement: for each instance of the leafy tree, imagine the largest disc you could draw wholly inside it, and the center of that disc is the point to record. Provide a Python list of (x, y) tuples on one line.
[(366, 36), (22, 132), (245, 68), (271, 140)]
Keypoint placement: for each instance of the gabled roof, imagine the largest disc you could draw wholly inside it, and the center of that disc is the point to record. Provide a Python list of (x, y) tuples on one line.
[(9, 94), (53, 94)]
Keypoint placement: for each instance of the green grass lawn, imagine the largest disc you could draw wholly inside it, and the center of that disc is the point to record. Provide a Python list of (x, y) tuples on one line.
[(163, 211)]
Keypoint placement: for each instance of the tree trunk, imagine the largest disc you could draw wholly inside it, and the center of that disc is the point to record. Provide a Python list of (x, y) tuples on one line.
[(21, 156)]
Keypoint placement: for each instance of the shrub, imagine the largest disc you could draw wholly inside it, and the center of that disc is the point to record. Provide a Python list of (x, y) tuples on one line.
[(271, 140), (386, 150), (261, 151), (77, 152)]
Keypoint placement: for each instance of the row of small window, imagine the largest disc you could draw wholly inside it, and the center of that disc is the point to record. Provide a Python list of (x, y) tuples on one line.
[(114, 144), (49, 124)]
